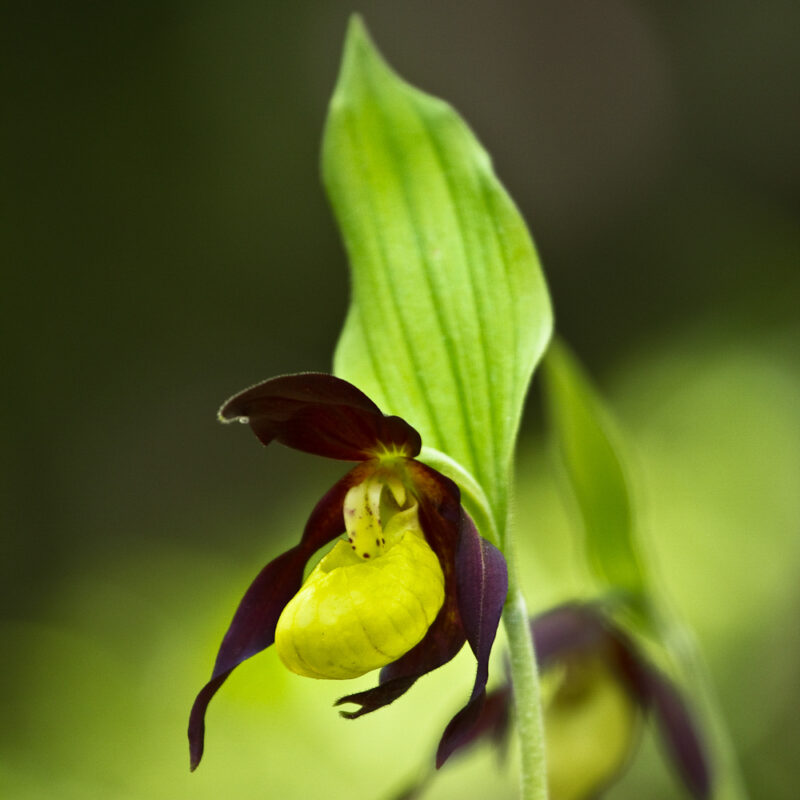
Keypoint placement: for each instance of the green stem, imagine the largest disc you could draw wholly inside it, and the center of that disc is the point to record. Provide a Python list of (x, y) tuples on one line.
[(527, 697)]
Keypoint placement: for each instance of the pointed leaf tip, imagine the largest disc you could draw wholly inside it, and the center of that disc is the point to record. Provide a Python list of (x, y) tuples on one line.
[(360, 55), (356, 31)]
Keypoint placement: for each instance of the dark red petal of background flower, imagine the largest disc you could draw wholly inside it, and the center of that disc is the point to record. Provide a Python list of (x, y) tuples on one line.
[(680, 735), (253, 626), (320, 414), (566, 629), (575, 628), (481, 586), (439, 515)]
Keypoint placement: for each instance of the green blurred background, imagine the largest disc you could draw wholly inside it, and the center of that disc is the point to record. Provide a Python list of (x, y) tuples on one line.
[(166, 242)]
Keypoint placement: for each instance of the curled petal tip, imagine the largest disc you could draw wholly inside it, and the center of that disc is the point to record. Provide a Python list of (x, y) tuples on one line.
[(226, 420), (351, 714)]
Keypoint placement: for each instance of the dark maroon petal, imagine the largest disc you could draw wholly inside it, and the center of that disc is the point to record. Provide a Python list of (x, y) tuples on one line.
[(439, 516), (197, 718), (492, 722), (482, 586), (253, 626), (320, 414), (680, 735), (378, 697)]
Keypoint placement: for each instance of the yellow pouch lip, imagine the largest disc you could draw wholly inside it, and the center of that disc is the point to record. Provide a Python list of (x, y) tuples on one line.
[(354, 615)]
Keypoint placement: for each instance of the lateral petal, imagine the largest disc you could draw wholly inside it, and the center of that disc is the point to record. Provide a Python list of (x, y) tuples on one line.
[(482, 586), (253, 626)]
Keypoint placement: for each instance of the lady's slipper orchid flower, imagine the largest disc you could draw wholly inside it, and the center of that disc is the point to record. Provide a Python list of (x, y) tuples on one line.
[(409, 581), (597, 686)]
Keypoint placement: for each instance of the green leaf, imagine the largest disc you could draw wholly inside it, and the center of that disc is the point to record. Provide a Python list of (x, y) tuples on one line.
[(591, 451), (449, 311)]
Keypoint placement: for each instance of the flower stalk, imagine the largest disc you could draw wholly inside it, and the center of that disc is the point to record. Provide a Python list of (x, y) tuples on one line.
[(527, 694)]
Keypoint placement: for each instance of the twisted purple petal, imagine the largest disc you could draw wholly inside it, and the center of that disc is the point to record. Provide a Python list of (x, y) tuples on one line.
[(253, 626), (482, 586)]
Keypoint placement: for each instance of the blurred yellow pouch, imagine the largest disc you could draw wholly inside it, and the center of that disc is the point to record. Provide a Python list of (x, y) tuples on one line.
[(591, 726)]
